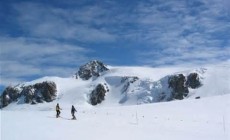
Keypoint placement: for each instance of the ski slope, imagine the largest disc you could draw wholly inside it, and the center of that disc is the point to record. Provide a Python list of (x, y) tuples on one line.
[(202, 119), (207, 118)]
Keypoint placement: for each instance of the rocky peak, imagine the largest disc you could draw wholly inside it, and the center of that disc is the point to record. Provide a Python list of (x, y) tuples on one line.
[(92, 69)]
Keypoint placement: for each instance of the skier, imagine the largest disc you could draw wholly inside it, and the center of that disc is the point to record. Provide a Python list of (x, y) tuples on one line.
[(73, 110), (58, 110)]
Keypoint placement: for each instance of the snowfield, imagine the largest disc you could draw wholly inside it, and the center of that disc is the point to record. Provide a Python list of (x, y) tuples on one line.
[(151, 83), (202, 119), (125, 115)]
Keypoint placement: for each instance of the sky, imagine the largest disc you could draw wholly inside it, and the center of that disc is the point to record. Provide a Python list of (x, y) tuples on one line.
[(54, 37)]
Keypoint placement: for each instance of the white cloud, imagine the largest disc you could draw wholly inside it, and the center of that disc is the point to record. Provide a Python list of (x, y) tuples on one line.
[(71, 24), (175, 32), (184, 32), (21, 57), (187, 56)]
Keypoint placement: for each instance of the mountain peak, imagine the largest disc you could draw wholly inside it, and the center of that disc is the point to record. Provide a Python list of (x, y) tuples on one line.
[(93, 68)]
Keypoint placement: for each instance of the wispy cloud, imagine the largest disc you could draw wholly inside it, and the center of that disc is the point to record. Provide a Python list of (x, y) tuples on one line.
[(187, 56), (44, 21), (180, 32), (21, 57), (52, 39)]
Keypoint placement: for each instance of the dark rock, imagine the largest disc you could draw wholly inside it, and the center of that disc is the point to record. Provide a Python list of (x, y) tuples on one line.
[(98, 94), (193, 81), (33, 94), (198, 97), (28, 93), (177, 84), (47, 90), (91, 69), (10, 94), (128, 80)]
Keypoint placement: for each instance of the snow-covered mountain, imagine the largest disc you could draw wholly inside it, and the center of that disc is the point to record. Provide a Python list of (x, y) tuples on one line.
[(98, 84), (106, 99)]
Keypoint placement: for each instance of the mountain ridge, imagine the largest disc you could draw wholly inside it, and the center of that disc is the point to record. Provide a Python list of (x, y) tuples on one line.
[(123, 85)]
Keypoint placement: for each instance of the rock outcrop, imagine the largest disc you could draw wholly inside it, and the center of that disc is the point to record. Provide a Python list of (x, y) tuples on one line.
[(127, 80), (10, 94), (45, 91), (168, 88), (98, 94), (32, 94), (193, 81), (92, 69), (177, 84), (180, 84)]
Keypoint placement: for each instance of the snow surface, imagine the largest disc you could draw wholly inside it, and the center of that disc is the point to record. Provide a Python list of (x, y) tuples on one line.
[(152, 82), (207, 118), (202, 119)]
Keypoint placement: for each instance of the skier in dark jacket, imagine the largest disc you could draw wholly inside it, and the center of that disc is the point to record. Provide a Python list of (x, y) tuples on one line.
[(73, 110), (58, 110)]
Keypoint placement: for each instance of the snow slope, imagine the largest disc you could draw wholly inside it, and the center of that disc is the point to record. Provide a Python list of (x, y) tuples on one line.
[(152, 81), (207, 118), (203, 119)]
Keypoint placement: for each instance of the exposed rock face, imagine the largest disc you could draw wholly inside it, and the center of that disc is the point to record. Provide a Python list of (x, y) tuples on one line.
[(180, 84), (28, 93), (98, 94), (177, 84), (167, 88), (193, 81), (91, 69), (32, 94), (9, 95), (128, 80), (47, 90)]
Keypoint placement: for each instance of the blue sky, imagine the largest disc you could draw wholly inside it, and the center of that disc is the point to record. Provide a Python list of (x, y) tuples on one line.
[(53, 37)]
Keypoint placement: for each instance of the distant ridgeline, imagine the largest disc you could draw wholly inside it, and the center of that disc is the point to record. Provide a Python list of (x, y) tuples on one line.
[(168, 88)]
